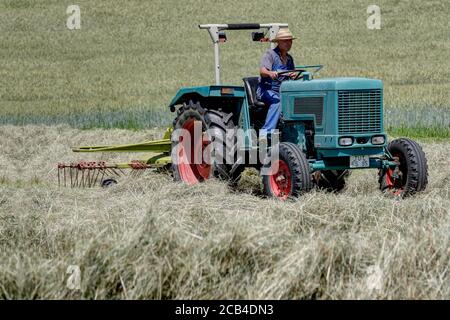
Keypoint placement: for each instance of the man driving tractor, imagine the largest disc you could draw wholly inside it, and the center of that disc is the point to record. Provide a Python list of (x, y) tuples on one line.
[(273, 61)]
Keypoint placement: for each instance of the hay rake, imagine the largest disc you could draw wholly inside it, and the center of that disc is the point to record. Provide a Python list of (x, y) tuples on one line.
[(87, 174)]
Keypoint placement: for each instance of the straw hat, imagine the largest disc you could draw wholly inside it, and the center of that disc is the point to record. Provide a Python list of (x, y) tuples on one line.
[(283, 34)]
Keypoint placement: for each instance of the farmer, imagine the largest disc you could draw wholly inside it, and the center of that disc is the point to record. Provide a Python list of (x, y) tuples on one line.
[(268, 90)]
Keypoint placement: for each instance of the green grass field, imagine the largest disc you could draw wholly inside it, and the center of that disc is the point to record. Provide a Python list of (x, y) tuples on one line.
[(129, 59)]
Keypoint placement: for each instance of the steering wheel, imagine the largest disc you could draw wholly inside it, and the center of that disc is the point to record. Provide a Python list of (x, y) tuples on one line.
[(298, 71)]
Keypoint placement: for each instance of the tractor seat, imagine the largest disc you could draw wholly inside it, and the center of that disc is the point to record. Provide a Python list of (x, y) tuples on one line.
[(250, 84)]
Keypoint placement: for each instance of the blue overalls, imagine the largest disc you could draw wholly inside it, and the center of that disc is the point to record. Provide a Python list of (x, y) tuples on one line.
[(268, 90)]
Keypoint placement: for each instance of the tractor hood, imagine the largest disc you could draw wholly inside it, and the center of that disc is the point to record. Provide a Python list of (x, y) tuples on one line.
[(330, 84)]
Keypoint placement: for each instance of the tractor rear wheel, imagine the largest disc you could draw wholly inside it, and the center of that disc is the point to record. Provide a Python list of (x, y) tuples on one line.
[(289, 175), (412, 173), (331, 180), (214, 125), (185, 145)]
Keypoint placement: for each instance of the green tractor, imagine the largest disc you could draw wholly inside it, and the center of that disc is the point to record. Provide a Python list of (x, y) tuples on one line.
[(327, 128)]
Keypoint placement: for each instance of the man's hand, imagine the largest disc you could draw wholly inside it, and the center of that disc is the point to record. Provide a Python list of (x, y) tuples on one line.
[(267, 73), (292, 75), (273, 74)]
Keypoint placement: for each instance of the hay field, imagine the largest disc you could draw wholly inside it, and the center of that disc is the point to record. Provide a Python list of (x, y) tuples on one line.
[(153, 238)]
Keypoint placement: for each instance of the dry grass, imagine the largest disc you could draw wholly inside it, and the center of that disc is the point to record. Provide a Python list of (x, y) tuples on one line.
[(153, 238)]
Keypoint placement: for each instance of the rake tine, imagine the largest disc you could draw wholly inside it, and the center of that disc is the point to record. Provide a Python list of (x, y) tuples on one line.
[(59, 181), (89, 178), (109, 171), (85, 178), (64, 176), (94, 171), (76, 179), (103, 175), (96, 177), (71, 177), (88, 174), (122, 172), (94, 174), (115, 172)]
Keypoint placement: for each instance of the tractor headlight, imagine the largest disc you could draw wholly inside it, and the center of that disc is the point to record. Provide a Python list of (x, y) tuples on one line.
[(345, 141), (378, 140)]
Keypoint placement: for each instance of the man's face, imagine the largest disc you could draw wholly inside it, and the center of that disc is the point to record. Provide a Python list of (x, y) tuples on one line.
[(285, 45)]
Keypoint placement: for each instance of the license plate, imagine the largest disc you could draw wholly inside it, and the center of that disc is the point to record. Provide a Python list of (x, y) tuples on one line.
[(359, 162)]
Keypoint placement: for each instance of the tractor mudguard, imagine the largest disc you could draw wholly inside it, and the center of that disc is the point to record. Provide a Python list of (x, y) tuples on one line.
[(197, 93)]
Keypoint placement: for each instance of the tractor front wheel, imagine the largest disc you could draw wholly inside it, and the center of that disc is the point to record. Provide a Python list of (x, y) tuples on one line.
[(411, 175), (289, 174)]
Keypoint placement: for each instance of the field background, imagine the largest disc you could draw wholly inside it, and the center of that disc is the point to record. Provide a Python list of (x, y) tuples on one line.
[(129, 58), (152, 238)]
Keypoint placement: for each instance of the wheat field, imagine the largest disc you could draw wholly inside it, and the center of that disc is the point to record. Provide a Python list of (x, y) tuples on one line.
[(153, 238)]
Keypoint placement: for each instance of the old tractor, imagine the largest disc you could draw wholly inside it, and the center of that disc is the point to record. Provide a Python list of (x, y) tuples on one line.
[(328, 127)]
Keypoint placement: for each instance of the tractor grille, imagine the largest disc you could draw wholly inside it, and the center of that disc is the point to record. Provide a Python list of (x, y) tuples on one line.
[(359, 111), (309, 105)]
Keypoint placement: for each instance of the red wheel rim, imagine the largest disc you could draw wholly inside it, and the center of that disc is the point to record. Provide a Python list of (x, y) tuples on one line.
[(396, 186), (281, 181), (191, 172)]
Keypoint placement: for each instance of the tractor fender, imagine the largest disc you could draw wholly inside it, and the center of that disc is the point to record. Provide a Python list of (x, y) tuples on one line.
[(197, 93)]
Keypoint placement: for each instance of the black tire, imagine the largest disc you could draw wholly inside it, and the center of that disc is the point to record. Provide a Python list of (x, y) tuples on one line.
[(220, 123), (331, 180), (109, 182), (298, 171), (413, 169)]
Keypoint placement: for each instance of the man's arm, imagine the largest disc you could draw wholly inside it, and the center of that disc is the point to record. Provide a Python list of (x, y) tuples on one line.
[(266, 66), (266, 73)]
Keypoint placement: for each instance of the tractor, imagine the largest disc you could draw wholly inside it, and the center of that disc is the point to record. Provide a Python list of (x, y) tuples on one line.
[(327, 128)]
